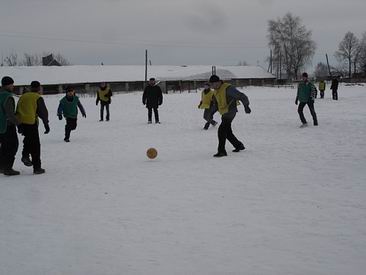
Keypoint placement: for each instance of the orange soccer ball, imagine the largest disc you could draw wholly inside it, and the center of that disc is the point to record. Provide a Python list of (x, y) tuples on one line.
[(151, 153)]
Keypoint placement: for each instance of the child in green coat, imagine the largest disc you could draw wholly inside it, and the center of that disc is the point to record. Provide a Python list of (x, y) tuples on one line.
[(68, 107)]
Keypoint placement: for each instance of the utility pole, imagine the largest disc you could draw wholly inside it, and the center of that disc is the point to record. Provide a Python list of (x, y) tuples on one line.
[(213, 69), (330, 73), (145, 68)]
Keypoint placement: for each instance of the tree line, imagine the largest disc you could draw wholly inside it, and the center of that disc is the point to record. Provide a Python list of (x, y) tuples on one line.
[(292, 48), (31, 59)]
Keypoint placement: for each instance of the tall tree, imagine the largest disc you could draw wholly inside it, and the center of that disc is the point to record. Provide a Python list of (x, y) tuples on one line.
[(348, 50), (291, 42), (11, 59), (362, 57)]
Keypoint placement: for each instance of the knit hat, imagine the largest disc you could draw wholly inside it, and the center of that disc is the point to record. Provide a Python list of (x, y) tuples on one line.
[(304, 75), (69, 89), (6, 80), (214, 78), (35, 85)]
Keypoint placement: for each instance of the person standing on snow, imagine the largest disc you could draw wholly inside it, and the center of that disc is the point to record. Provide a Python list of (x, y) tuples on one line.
[(8, 133), (207, 103), (152, 98), (31, 106), (227, 97), (334, 88), (322, 88), (68, 107), (305, 94), (104, 95)]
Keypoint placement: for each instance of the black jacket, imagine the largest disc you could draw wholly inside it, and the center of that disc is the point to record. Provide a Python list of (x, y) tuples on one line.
[(152, 97)]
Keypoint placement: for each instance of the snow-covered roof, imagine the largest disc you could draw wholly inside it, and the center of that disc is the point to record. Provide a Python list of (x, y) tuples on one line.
[(23, 75)]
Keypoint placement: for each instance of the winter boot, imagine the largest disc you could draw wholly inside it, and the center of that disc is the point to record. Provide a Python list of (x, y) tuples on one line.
[(11, 172), (26, 161), (239, 148), (220, 154), (38, 171)]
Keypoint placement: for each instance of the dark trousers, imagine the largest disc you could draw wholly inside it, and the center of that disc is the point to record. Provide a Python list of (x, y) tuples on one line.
[(335, 94), (31, 144), (300, 110), (71, 124), (208, 115), (149, 114), (321, 93), (102, 106), (226, 133), (8, 147)]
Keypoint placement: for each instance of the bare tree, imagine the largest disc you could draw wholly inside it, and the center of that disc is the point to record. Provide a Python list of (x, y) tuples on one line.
[(321, 70), (242, 63), (362, 53), (348, 50), (11, 59), (31, 60), (291, 42)]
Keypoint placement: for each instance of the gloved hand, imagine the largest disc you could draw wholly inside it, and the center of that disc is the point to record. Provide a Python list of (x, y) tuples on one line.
[(247, 109), (296, 101), (96, 103), (84, 115), (60, 117), (47, 129), (20, 129)]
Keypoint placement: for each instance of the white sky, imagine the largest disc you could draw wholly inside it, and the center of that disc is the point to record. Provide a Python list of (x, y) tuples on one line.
[(175, 32)]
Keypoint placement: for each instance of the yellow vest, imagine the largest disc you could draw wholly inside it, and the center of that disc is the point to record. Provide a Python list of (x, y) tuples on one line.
[(102, 94), (220, 96), (206, 99), (322, 85), (27, 108)]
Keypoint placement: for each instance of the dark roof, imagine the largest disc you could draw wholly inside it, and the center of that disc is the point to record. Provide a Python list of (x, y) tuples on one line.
[(50, 61)]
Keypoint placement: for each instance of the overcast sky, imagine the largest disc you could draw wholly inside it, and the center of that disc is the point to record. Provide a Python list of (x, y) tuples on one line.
[(175, 32)]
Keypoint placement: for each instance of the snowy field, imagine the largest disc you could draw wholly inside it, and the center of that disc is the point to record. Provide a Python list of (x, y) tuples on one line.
[(294, 202)]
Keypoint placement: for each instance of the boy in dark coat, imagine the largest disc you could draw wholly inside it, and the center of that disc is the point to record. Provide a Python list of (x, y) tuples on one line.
[(334, 88), (8, 133), (31, 106), (152, 98), (104, 95), (68, 107)]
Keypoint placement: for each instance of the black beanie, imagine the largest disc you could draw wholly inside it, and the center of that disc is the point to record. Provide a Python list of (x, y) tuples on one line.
[(305, 75), (35, 85), (7, 80), (214, 78)]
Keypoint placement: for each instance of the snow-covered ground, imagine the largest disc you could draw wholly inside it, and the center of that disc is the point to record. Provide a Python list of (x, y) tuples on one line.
[(294, 202)]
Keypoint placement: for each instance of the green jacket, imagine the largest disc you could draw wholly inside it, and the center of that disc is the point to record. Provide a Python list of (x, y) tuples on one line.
[(4, 96), (306, 91)]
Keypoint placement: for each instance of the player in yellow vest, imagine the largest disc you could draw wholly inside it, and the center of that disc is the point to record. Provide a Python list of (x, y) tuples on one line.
[(322, 88), (207, 103), (104, 96), (227, 97), (30, 107)]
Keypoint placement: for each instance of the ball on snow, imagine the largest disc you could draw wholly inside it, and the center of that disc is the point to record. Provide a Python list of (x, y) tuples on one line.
[(151, 153)]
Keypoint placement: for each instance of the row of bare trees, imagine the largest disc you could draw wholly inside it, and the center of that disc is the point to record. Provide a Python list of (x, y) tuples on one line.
[(28, 59), (292, 48), (352, 52)]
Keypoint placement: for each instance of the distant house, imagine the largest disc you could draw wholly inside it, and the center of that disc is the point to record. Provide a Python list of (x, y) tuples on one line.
[(49, 60)]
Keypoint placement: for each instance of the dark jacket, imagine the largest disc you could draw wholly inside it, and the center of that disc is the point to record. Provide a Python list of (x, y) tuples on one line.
[(334, 85), (152, 97)]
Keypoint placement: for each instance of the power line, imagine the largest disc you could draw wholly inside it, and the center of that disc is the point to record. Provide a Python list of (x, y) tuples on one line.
[(133, 43)]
